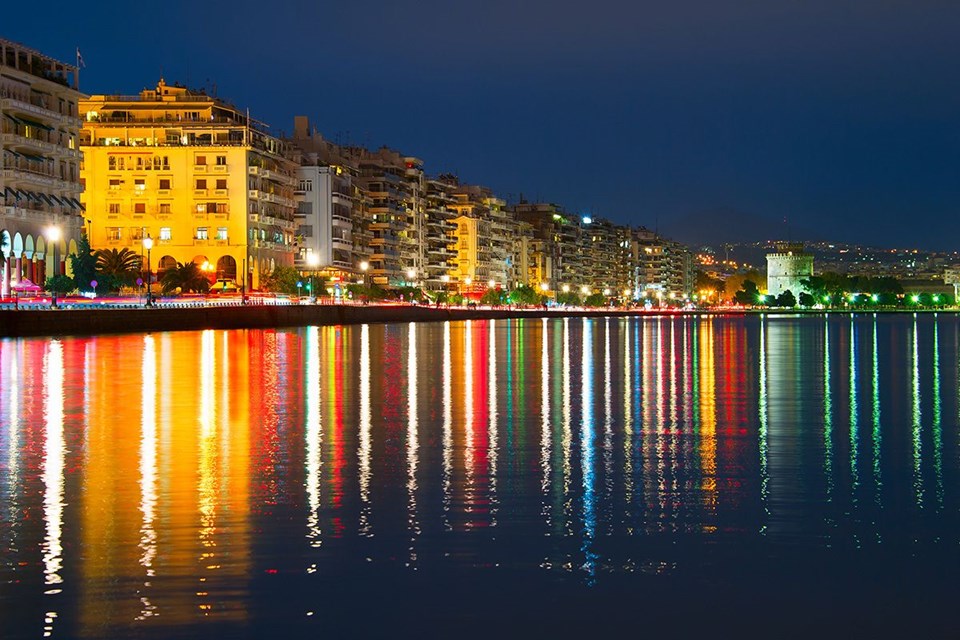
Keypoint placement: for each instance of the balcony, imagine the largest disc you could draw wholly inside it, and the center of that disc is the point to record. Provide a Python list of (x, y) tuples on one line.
[(199, 193), (199, 168), (219, 168), (253, 170), (220, 192)]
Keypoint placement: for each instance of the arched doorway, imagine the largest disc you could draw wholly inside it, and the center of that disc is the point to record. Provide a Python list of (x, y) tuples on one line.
[(166, 262), (227, 268)]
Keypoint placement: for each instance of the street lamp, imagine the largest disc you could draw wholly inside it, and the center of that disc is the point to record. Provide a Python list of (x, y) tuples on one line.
[(148, 244), (363, 268), (53, 237), (411, 274), (544, 286), (313, 260), (566, 288)]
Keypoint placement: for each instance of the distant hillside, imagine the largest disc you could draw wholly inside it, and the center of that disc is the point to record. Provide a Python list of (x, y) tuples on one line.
[(719, 226)]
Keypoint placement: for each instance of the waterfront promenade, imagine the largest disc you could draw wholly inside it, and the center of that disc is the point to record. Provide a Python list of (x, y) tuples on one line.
[(87, 319)]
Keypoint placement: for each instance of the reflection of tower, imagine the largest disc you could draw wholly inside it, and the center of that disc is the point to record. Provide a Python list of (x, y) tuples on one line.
[(786, 385)]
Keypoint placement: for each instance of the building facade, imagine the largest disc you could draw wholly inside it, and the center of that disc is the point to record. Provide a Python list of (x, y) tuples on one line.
[(40, 209), (197, 175)]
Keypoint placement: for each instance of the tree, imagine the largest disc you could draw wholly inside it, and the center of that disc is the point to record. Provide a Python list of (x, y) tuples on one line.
[(494, 297), (749, 294), (186, 277), (568, 297), (118, 267), (83, 263), (786, 299), (524, 294), (284, 280), (595, 300), (60, 284), (806, 300)]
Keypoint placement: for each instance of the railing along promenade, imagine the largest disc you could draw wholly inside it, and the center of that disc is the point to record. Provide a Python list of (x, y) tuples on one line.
[(38, 318)]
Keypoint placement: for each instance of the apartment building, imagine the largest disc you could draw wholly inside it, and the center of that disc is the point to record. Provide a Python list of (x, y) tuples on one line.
[(203, 179), (41, 215)]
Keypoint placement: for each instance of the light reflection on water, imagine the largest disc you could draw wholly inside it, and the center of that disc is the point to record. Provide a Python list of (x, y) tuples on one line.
[(186, 477)]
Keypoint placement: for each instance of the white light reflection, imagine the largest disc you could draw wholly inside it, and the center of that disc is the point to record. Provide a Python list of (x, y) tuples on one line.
[(148, 471), (827, 411), (917, 415), (762, 431), (627, 414), (313, 432), (11, 381), (54, 458), (363, 452), (447, 426), (587, 453), (854, 418), (876, 417), (608, 425), (413, 441), (937, 428), (545, 435), (492, 412)]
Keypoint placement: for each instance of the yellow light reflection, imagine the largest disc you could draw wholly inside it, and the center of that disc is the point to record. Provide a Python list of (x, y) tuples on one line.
[(708, 416), (148, 472)]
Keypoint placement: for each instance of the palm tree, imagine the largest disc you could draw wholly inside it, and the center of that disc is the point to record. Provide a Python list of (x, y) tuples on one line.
[(186, 277), (120, 266)]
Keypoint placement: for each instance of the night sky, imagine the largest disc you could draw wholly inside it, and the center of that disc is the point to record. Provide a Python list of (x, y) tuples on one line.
[(842, 117)]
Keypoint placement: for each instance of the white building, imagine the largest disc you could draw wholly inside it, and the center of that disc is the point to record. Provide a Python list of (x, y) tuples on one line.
[(325, 234), (40, 210)]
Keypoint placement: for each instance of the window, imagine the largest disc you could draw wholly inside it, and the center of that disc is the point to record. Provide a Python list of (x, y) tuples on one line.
[(202, 160), (221, 183), (201, 233), (306, 185), (113, 207), (164, 183), (222, 160), (136, 233), (139, 184), (114, 233), (164, 207), (139, 207), (115, 184), (201, 183), (201, 207), (221, 233), (165, 233)]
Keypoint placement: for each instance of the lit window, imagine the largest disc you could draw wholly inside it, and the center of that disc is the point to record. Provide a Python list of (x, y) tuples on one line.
[(201, 233), (164, 207), (114, 233), (165, 233), (221, 233), (139, 184), (115, 184)]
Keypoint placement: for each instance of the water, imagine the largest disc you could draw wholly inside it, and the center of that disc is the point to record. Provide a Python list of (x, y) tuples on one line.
[(769, 476)]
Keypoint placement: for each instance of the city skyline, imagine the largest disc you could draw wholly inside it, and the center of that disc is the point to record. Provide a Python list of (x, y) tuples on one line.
[(836, 118)]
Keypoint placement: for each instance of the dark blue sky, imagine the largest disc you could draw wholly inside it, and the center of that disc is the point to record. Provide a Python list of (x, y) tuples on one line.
[(841, 116)]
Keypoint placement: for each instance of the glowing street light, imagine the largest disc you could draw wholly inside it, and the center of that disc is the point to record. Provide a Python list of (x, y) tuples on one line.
[(585, 290), (566, 288), (53, 237), (148, 244), (491, 283), (313, 261), (363, 270), (544, 286)]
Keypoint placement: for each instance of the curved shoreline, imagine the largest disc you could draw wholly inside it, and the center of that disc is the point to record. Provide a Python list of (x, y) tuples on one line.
[(65, 322)]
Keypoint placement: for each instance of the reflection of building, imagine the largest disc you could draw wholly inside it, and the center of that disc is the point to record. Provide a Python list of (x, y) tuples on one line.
[(787, 267), (39, 183), (198, 175)]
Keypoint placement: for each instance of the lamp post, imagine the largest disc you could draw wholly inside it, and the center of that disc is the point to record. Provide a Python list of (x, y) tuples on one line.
[(53, 237), (363, 270), (312, 261), (148, 244)]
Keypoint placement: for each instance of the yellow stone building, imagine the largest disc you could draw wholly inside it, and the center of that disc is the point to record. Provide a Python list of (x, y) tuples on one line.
[(198, 176)]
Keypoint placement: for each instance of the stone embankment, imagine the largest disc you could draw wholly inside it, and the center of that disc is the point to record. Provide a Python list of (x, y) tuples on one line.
[(85, 321)]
